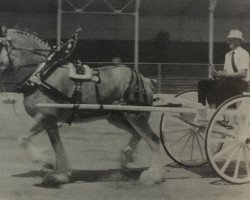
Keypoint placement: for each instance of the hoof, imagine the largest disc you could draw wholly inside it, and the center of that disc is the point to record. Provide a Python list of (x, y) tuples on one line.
[(127, 157), (152, 176), (53, 178)]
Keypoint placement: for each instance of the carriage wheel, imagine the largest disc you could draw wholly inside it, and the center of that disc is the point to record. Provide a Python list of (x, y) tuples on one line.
[(184, 143), (232, 161)]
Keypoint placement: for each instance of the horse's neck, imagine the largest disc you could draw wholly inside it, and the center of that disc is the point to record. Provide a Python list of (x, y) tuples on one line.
[(28, 61)]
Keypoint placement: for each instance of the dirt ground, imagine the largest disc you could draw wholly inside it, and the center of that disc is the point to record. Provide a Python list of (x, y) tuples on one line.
[(93, 149)]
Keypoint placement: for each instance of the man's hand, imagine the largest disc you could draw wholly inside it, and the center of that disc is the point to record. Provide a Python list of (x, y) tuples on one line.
[(222, 74), (214, 74)]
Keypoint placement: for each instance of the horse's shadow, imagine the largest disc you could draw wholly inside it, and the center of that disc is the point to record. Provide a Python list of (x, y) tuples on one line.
[(204, 171), (109, 175)]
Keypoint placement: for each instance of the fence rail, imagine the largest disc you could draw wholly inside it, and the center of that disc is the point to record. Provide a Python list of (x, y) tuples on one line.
[(171, 77)]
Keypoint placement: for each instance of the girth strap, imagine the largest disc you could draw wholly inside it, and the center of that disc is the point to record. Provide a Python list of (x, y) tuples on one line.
[(97, 81)]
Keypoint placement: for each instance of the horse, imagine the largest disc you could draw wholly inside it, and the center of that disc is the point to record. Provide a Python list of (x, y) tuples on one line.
[(19, 49)]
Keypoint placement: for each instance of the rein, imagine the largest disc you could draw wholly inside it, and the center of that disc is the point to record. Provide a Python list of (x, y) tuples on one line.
[(32, 50)]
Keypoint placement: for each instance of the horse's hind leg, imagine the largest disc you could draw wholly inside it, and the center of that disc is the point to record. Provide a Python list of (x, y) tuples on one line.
[(61, 171), (118, 120), (155, 173)]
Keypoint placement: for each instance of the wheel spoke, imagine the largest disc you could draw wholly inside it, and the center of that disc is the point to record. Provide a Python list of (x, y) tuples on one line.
[(229, 159), (192, 147), (244, 110), (199, 145), (236, 171), (246, 161), (185, 145), (244, 128), (201, 136), (175, 142), (176, 131), (224, 150), (182, 122)]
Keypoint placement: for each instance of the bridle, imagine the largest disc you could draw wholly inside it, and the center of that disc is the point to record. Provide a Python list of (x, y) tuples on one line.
[(8, 45)]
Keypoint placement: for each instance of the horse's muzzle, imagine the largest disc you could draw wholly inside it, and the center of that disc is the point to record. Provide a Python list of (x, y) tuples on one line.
[(2, 69)]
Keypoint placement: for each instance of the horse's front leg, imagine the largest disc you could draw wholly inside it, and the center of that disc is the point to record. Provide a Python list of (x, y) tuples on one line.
[(38, 155), (61, 172)]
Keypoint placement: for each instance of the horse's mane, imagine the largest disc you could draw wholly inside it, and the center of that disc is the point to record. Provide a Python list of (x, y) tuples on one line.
[(32, 36)]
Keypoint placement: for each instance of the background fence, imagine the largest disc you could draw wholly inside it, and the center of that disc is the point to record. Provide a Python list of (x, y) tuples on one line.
[(172, 77)]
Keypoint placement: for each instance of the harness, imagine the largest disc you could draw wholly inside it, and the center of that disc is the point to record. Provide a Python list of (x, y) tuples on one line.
[(134, 95)]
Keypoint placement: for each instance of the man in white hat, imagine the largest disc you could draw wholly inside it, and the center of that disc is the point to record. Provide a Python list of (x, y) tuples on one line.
[(232, 80)]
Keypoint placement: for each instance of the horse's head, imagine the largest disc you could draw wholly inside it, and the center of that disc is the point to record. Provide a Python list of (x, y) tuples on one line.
[(20, 49)]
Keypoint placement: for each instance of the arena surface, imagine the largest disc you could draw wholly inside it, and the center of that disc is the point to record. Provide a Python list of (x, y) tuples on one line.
[(93, 149)]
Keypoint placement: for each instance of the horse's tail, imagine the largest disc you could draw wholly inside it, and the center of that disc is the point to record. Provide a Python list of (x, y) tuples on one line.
[(152, 82)]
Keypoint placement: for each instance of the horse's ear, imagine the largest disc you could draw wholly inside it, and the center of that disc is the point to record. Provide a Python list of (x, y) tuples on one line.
[(3, 31)]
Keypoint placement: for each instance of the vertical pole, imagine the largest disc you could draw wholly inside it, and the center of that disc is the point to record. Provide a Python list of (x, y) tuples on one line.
[(211, 33), (136, 45), (59, 22), (159, 78)]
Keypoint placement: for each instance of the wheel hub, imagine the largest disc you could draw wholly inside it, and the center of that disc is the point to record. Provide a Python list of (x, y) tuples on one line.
[(244, 140), (247, 140)]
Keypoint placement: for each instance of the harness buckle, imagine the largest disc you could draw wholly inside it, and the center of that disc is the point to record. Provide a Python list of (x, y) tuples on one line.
[(35, 79)]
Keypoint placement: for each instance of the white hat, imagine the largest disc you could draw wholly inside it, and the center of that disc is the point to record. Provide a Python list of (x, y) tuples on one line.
[(235, 34)]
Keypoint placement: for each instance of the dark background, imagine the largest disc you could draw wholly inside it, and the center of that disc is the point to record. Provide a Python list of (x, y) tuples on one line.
[(175, 52)]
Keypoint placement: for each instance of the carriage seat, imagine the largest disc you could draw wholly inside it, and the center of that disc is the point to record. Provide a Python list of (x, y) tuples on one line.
[(80, 72)]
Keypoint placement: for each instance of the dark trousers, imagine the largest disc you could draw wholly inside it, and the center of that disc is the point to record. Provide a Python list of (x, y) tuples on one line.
[(217, 91)]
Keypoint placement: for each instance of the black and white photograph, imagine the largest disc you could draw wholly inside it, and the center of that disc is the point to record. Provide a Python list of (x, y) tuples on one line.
[(124, 99)]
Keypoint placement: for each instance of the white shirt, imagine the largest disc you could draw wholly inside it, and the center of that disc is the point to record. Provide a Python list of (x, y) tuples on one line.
[(241, 59)]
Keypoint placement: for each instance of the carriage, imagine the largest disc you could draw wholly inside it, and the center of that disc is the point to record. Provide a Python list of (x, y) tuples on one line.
[(191, 135)]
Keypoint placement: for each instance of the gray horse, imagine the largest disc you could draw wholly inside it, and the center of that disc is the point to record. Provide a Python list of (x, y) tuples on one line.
[(20, 49)]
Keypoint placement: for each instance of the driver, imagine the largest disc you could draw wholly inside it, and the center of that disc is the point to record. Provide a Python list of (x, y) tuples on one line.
[(232, 80)]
